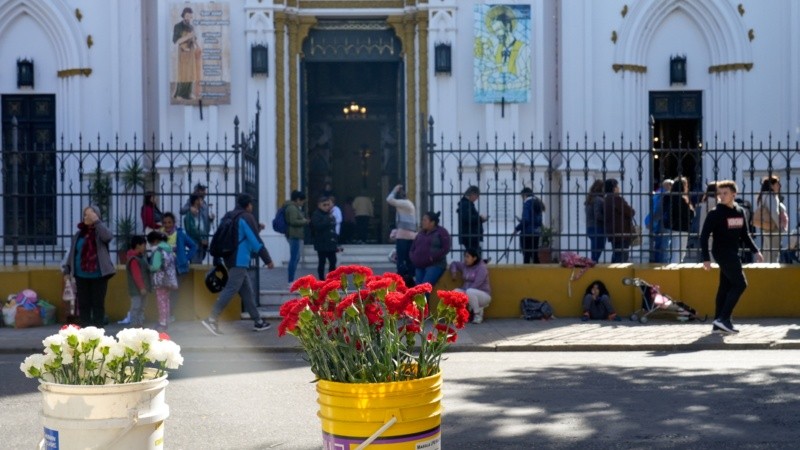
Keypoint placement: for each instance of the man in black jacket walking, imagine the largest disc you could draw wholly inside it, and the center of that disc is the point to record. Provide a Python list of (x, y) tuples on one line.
[(727, 222)]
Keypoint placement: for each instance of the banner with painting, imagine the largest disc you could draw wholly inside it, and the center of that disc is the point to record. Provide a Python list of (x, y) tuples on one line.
[(200, 54), (502, 53)]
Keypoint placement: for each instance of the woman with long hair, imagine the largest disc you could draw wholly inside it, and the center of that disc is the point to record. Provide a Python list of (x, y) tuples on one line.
[(617, 221), (774, 218), (593, 206), (475, 284), (597, 303), (151, 215), (680, 214)]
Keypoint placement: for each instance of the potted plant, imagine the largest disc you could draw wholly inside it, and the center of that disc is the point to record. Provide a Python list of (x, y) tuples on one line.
[(99, 391), (375, 347), (545, 249), (133, 179)]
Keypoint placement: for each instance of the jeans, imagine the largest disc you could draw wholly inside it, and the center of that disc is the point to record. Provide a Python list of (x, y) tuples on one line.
[(238, 281), (662, 242), (429, 274), (530, 248), (294, 256), (597, 242)]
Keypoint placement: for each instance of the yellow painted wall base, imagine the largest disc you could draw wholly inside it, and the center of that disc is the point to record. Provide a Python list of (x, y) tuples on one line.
[(773, 291), (194, 301)]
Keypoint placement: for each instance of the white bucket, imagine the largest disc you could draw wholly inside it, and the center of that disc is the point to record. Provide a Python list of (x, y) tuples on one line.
[(111, 416)]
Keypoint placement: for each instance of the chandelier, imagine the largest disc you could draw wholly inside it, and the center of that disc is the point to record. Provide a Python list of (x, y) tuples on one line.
[(353, 110)]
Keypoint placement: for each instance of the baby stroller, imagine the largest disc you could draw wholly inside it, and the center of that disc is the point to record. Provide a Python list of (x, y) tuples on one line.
[(653, 300)]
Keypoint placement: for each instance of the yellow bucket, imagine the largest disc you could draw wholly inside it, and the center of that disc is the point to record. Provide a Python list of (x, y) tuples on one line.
[(398, 415)]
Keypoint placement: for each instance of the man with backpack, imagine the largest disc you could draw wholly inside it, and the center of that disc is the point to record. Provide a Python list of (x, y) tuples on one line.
[(238, 230)]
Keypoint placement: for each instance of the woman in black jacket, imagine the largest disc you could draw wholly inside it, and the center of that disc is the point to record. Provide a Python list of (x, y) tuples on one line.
[(323, 232)]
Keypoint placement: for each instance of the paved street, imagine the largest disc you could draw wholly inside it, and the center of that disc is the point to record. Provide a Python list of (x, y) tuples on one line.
[(512, 400)]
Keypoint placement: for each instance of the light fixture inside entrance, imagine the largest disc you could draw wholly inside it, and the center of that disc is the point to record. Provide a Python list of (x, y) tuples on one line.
[(355, 111)]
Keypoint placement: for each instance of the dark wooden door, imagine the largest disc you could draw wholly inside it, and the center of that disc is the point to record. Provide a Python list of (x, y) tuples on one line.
[(32, 173)]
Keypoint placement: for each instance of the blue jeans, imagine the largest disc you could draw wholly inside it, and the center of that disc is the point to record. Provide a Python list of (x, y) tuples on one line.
[(597, 242), (429, 275), (662, 244), (294, 256), (238, 281)]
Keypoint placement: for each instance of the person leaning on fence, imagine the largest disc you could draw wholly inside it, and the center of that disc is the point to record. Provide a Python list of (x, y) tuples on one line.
[(774, 220), (728, 224), (617, 221), (593, 206), (475, 277), (655, 221), (680, 213), (89, 261), (597, 303), (139, 281), (238, 263), (151, 215), (470, 222), (196, 228), (530, 226), (429, 250)]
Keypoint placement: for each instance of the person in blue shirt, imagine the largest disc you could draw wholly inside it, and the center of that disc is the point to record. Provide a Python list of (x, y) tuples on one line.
[(238, 263)]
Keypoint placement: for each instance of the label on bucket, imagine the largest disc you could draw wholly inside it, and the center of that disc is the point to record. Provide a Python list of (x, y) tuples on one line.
[(426, 440), (50, 439)]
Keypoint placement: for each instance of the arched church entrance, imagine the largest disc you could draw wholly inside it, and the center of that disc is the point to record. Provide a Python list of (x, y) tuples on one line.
[(352, 119)]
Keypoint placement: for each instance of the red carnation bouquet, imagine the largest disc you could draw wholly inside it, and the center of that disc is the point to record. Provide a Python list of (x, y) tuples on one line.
[(357, 327)]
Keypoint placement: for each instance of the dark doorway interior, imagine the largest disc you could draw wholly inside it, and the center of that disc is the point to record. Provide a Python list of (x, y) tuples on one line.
[(32, 169), (677, 136), (353, 118)]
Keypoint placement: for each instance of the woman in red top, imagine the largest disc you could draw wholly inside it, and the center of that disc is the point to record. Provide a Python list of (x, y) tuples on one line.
[(151, 215)]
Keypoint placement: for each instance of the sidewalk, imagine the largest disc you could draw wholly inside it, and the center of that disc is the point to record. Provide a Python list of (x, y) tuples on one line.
[(500, 335)]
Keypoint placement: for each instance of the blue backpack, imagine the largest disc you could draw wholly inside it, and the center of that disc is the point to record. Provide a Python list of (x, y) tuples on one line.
[(279, 223)]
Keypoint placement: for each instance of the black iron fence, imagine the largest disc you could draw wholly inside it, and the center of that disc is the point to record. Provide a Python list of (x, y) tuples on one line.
[(561, 174), (46, 185)]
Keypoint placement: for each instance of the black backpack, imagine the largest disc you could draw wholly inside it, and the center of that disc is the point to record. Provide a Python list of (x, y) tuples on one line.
[(226, 238), (533, 309)]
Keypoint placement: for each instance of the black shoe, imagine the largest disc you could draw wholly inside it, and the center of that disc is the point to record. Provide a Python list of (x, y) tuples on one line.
[(261, 326)]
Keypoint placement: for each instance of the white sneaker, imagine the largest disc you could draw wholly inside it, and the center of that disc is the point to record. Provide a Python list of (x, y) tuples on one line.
[(477, 318), (126, 320)]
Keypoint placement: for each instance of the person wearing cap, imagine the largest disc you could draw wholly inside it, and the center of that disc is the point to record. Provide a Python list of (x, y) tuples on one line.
[(238, 264), (530, 226)]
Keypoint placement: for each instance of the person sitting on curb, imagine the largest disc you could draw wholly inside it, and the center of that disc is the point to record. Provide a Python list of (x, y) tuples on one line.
[(597, 303), (476, 282)]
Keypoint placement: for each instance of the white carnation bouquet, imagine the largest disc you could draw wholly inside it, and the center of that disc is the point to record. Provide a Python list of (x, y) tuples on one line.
[(86, 356)]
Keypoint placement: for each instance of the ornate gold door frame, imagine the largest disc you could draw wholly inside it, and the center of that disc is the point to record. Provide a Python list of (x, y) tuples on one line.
[(296, 28)]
